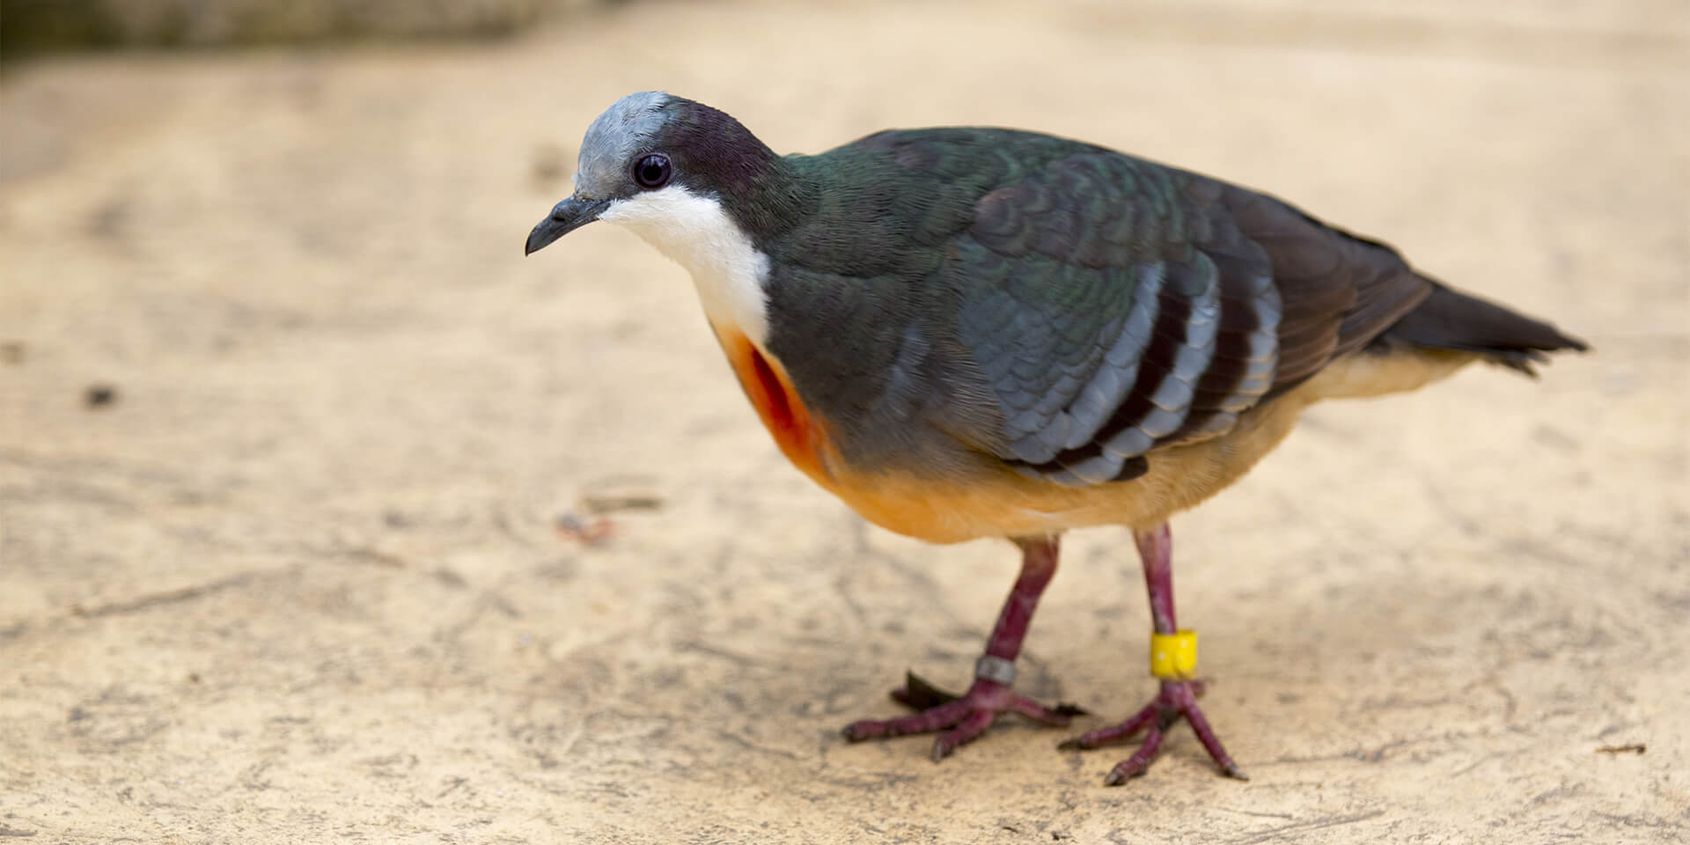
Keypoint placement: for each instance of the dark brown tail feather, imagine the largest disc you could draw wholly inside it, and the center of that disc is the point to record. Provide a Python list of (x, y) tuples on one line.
[(1449, 319)]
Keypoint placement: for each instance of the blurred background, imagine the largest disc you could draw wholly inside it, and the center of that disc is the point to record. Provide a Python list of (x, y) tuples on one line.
[(324, 513), (33, 27)]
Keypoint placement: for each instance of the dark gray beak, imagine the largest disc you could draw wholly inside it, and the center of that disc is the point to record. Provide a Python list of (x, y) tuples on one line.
[(566, 217)]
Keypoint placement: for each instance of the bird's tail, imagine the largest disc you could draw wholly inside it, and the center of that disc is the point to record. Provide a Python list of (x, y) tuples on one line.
[(1450, 319)]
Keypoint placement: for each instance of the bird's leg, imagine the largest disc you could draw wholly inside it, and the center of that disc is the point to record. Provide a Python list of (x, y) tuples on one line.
[(1173, 659), (963, 718)]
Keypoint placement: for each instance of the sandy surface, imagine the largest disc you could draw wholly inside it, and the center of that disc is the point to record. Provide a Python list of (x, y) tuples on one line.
[(300, 581)]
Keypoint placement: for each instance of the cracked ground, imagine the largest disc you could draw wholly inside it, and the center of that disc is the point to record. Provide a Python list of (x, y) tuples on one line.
[(325, 516)]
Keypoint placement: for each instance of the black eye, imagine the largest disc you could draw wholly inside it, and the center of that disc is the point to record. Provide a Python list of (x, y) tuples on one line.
[(652, 171)]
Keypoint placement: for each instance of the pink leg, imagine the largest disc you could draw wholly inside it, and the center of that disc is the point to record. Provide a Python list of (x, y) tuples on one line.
[(964, 718), (1177, 699)]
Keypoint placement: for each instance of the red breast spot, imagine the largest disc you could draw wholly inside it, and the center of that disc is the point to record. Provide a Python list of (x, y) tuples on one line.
[(776, 405), (782, 412)]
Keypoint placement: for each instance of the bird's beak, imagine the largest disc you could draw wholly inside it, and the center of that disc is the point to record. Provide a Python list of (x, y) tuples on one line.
[(566, 217)]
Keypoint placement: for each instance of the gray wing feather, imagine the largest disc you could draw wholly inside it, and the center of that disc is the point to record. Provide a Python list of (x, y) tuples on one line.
[(1116, 307)]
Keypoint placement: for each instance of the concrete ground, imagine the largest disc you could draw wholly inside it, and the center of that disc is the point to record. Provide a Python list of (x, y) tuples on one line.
[(288, 426)]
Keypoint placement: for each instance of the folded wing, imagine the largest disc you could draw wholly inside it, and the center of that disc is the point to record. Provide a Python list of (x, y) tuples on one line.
[(1116, 306)]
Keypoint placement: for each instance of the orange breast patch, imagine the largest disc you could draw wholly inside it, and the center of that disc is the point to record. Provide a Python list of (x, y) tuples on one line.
[(800, 437)]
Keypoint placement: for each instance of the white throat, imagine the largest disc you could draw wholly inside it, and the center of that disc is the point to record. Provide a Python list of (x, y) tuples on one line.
[(694, 231)]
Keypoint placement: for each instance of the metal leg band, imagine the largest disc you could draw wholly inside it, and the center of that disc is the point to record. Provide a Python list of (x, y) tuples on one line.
[(989, 668)]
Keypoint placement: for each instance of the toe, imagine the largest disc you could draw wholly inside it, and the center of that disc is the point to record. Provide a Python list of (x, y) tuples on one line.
[(927, 721), (862, 729), (1114, 733), (1139, 763), (965, 732), (1126, 770), (1057, 716)]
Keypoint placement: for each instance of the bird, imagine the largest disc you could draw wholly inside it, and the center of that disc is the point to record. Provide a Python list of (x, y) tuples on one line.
[(971, 333)]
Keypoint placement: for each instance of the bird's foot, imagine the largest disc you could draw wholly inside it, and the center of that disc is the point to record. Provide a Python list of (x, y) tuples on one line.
[(961, 719), (1177, 700)]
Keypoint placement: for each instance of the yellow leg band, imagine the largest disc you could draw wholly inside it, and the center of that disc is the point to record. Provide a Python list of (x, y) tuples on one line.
[(1173, 657)]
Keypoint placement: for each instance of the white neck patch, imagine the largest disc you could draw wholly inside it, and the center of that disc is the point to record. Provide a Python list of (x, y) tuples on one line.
[(694, 231)]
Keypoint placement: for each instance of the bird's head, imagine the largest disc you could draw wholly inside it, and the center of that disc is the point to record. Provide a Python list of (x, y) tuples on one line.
[(663, 166)]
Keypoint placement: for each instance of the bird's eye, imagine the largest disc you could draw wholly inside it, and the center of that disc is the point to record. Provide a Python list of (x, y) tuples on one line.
[(652, 171)]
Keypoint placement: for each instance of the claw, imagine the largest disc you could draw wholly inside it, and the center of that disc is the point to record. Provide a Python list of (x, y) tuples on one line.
[(968, 730)]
